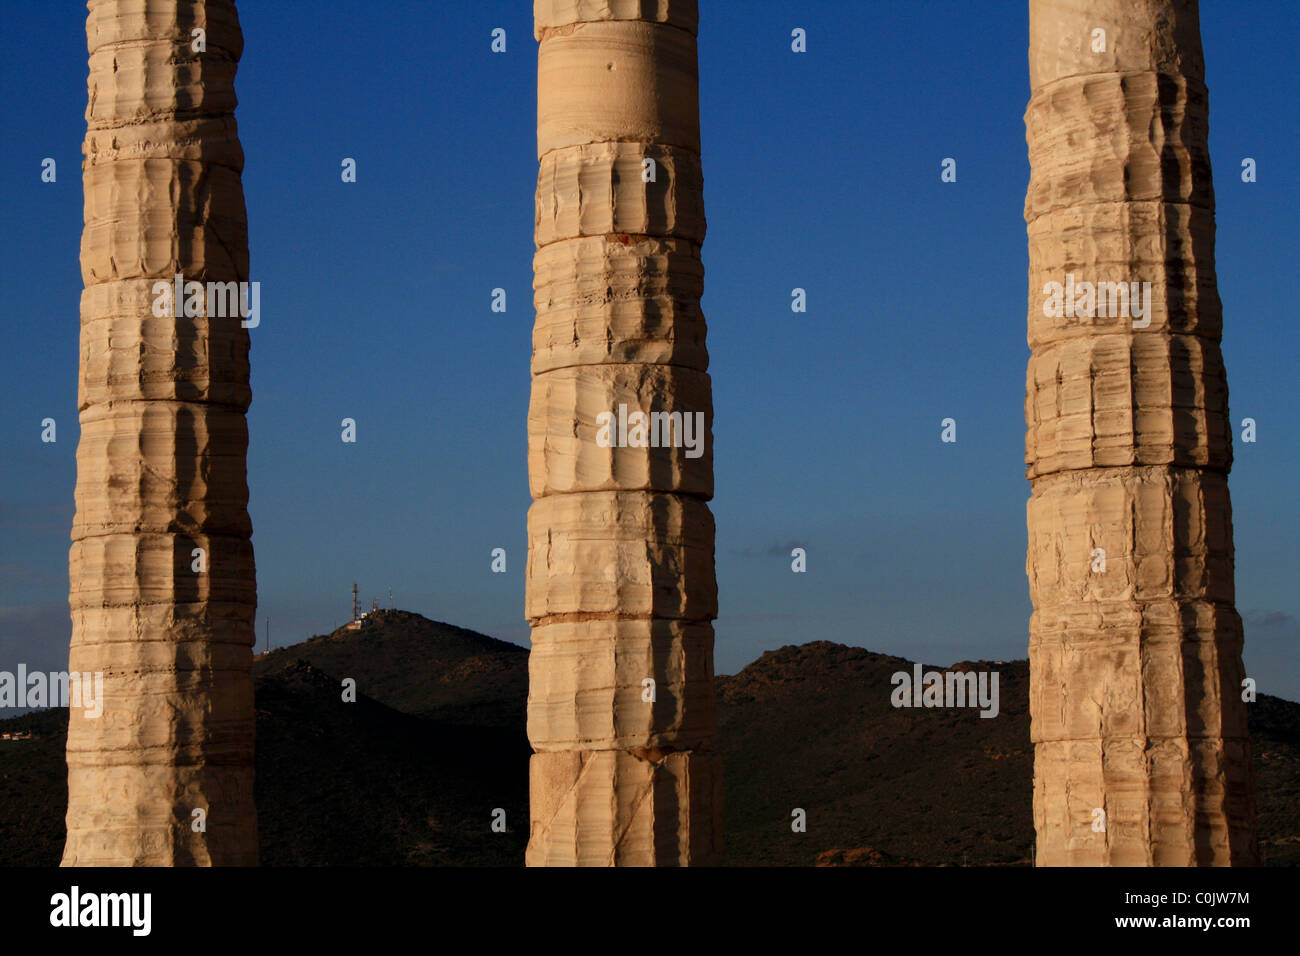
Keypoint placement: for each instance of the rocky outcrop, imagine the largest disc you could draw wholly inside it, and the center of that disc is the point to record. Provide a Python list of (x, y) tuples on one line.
[(620, 582), (1140, 741)]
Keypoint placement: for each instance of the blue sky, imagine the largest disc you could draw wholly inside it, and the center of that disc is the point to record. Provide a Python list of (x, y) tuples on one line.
[(821, 172)]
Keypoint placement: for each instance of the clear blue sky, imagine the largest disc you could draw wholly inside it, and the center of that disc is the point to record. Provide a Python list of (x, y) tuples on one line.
[(821, 171)]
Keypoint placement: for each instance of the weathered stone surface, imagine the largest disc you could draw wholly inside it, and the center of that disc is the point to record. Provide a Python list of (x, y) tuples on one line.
[(161, 461), (549, 14), (1143, 784), (140, 80), (1141, 751), (603, 188), (160, 217), (1142, 36), (164, 785), (616, 808), (620, 581), (207, 139), (587, 690), (621, 553), (193, 624), (167, 671), (128, 354), (144, 568), (130, 21), (1139, 399), (617, 81), (1165, 533), (569, 450), (163, 466), (1165, 244), (1114, 137), (1129, 670), (604, 300)]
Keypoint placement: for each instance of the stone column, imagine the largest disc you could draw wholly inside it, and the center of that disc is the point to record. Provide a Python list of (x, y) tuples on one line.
[(162, 588), (1135, 646), (620, 581)]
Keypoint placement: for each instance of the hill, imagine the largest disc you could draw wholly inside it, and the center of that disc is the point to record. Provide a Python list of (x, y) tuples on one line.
[(412, 772), (811, 726), (421, 667), (413, 780), (382, 787), (815, 725)]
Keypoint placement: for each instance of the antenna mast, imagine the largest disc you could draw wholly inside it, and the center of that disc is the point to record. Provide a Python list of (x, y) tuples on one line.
[(356, 606)]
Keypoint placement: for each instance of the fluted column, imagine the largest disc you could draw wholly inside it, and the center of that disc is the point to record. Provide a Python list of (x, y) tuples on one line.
[(161, 462), (620, 581), (1141, 754)]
